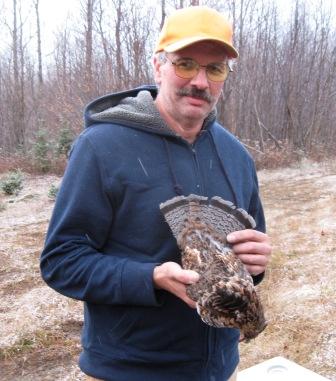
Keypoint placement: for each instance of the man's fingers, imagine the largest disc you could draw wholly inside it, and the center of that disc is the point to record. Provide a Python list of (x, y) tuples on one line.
[(247, 235), (262, 248), (254, 259), (190, 302), (255, 270), (253, 248), (187, 276), (171, 277)]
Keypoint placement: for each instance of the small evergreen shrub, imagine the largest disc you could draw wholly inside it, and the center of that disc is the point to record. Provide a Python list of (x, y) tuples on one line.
[(65, 139), (53, 190), (12, 183), (41, 151)]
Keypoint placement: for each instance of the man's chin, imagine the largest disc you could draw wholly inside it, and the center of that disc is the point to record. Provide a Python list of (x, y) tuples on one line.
[(193, 111), (195, 101)]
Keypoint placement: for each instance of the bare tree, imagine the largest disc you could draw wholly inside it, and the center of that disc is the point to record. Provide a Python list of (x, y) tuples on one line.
[(88, 11), (163, 13), (39, 45), (118, 40), (105, 41), (17, 91)]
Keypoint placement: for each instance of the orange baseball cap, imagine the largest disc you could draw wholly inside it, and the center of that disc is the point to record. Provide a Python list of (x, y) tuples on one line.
[(187, 26)]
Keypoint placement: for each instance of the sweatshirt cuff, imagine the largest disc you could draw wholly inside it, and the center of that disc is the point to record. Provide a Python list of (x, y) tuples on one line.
[(137, 284)]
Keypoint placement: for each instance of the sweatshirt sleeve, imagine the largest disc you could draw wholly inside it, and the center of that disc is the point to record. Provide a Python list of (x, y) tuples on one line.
[(71, 262), (257, 212), (255, 208)]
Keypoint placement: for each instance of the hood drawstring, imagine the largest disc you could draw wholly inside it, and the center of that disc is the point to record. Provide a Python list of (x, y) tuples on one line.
[(177, 187), (223, 169)]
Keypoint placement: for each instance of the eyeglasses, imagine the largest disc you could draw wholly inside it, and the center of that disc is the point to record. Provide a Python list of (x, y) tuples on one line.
[(188, 68)]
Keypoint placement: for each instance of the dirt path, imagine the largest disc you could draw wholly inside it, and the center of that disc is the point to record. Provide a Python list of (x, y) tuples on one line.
[(39, 329)]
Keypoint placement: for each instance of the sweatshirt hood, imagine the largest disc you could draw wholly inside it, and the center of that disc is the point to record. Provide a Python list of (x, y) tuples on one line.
[(136, 109), (133, 108)]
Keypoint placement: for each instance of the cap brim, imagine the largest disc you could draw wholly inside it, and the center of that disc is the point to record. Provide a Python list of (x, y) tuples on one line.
[(229, 49)]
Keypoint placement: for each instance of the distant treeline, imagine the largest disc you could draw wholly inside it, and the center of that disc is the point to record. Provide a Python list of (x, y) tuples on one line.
[(282, 90)]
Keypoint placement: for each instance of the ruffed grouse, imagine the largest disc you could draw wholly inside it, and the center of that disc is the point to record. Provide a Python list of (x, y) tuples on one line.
[(225, 293)]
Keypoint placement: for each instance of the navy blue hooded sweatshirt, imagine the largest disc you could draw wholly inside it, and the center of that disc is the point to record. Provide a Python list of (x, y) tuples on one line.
[(107, 234)]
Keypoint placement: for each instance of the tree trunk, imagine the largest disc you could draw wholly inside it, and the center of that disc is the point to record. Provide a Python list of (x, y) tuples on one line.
[(39, 48)]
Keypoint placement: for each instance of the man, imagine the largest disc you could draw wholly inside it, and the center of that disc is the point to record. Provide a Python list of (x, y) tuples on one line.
[(108, 243)]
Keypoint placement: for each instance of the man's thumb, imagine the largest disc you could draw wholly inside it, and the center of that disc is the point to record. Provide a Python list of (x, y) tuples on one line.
[(189, 276)]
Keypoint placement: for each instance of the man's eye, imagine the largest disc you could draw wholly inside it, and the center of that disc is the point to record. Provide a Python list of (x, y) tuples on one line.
[(186, 65), (216, 69)]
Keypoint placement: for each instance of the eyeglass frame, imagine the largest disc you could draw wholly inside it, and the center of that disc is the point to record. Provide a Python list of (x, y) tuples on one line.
[(164, 56)]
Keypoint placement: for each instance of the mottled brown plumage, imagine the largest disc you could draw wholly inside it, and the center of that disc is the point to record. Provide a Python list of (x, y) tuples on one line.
[(225, 294)]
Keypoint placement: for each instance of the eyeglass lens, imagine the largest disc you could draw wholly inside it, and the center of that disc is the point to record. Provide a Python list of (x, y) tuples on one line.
[(188, 68)]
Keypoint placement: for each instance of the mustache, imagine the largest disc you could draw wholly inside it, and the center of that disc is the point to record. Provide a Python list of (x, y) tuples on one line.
[(195, 93)]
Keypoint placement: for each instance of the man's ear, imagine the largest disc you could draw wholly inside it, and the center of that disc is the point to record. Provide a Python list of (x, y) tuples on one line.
[(157, 69)]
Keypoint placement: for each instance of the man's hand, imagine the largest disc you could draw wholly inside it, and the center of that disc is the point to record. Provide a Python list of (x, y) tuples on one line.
[(171, 277), (253, 248)]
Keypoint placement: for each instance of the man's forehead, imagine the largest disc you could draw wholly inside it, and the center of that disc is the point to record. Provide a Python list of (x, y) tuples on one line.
[(203, 48)]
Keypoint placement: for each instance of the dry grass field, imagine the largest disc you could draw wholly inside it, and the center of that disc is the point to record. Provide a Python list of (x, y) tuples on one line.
[(39, 329)]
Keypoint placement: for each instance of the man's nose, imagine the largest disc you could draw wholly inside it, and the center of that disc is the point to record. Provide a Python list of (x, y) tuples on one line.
[(200, 80)]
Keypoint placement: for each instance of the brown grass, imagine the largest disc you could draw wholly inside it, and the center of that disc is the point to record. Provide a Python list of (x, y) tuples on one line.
[(275, 157), (272, 157), (300, 284), (31, 356), (27, 164)]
